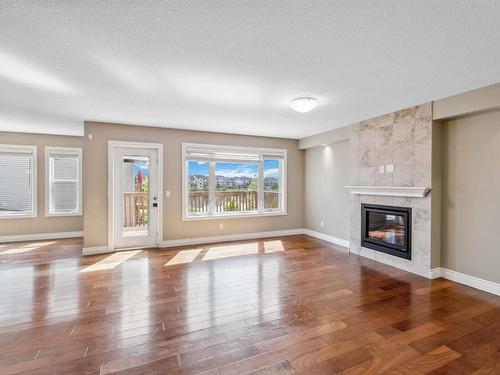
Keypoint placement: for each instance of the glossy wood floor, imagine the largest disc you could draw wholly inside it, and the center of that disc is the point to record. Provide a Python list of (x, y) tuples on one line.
[(277, 306)]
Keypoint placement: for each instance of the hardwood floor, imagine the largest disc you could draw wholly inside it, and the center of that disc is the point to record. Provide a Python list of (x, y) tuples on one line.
[(274, 306)]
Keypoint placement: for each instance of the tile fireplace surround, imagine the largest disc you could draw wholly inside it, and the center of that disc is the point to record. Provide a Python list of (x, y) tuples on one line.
[(404, 139)]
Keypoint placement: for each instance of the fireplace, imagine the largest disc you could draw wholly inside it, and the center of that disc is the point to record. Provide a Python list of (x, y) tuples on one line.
[(386, 229)]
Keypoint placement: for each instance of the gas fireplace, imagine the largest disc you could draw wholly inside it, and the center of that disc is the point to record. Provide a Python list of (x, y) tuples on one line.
[(386, 229)]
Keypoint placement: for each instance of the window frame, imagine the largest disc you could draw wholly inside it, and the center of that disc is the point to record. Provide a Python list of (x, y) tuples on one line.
[(260, 184), (34, 191), (48, 182)]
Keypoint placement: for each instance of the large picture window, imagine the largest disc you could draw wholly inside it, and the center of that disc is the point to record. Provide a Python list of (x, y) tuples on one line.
[(63, 170), (222, 181), (17, 181)]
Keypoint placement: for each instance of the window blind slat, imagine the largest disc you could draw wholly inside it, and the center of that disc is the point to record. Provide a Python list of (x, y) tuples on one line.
[(65, 167), (65, 196)]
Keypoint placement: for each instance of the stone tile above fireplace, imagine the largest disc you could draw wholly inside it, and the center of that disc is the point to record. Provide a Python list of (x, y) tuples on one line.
[(403, 139)]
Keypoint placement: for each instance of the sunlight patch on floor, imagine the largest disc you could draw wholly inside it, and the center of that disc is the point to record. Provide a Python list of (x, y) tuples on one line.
[(111, 261), (184, 256), (25, 248), (226, 251), (218, 252), (273, 246), (17, 250)]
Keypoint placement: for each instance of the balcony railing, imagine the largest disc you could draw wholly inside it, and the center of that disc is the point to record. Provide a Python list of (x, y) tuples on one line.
[(231, 201), (135, 209), (136, 204)]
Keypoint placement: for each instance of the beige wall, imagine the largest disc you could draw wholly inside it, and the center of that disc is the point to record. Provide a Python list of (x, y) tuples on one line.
[(484, 99), (326, 199), (95, 181), (471, 199), (328, 137), (40, 224), (437, 189)]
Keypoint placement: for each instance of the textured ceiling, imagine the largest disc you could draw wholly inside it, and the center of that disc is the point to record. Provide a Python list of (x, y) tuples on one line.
[(232, 66)]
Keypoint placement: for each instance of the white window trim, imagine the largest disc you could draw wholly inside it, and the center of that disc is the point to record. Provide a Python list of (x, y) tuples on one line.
[(235, 215), (72, 150), (34, 190)]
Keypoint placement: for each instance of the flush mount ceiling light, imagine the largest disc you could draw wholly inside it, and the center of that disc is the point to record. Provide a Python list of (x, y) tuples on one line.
[(304, 104)]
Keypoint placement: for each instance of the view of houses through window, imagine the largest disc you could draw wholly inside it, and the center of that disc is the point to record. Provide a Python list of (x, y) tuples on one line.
[(219, 187)]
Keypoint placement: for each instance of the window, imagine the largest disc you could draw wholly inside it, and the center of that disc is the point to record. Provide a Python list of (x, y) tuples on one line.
[(223, 181), (17, 181), (63, 170)]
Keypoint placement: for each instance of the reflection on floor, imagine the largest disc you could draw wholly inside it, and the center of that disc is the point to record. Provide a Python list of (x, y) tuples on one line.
[(280, 305)]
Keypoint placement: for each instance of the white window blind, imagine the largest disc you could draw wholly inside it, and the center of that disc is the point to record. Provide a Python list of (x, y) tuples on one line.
[(17, 180), (229, 154), (64, 181)]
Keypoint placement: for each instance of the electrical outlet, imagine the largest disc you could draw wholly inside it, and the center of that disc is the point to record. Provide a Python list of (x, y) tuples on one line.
[(322, 223), (381, 169), (221, 227), (167, 194), (389, 168)]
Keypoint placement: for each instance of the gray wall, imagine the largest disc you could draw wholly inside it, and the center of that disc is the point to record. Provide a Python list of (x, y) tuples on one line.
[(326, 199), (471, 195), (95, 172)]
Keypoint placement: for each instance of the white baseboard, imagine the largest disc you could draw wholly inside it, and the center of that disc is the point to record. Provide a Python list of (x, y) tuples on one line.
[(40, 236), (435, 273), (326, 237), (472, 281), (96, 250), (230, 237)]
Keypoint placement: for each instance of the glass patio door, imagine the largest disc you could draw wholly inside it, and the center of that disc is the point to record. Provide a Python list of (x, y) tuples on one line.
[(135, 197)]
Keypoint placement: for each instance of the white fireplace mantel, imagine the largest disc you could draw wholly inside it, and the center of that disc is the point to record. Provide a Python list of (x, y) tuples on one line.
[(394, 191)]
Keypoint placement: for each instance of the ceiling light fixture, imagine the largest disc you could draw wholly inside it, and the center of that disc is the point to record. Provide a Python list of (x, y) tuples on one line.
[(304, 104)]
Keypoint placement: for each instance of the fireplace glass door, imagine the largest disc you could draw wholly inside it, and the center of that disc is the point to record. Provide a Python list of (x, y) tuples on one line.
[(389, 228), (386, 229)]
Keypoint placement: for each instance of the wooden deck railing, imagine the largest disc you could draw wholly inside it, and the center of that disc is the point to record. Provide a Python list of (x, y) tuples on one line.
[(242, 200), (135, 209)]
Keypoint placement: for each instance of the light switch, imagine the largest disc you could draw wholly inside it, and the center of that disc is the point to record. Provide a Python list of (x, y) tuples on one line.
[(389, 168), (167, 194), (381, 169)]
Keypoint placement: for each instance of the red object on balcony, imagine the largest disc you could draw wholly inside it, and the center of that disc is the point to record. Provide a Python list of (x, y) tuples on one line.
[(139, 178)]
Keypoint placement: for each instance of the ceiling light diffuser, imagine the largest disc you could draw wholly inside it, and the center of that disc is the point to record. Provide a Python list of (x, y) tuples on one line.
[(304, 104)]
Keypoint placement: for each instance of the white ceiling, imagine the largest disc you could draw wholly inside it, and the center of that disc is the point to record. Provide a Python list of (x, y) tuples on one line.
[(233, 66)]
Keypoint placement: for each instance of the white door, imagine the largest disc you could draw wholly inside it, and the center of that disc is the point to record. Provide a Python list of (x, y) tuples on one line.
[(135, 197)]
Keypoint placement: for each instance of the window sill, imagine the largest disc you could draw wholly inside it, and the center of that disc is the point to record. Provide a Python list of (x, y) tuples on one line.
[(18, 216), (233, 216), (64, 214)]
